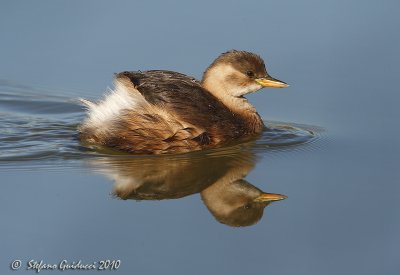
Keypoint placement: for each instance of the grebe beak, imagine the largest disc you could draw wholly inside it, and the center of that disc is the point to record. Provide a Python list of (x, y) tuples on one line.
[(265, 197), (269, 81)]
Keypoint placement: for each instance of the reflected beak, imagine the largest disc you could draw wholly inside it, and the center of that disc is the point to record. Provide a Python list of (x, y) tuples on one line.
[(265, 197), (269, 81)]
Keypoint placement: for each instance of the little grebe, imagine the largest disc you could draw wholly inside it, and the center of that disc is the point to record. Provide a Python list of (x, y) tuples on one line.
[(155, 112)]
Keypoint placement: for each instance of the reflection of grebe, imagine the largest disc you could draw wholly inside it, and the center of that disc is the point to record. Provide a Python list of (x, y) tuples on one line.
[(237, 203), (219, 179), (156, 112)]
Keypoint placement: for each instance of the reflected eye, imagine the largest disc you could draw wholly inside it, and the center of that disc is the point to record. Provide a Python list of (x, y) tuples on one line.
[(250, 74), (247, 206)]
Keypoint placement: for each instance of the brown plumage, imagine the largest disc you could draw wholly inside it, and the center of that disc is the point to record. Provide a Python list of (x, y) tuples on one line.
[(156, 111)]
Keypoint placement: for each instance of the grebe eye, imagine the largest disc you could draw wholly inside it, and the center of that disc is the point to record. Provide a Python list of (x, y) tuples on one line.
[(250, 74)]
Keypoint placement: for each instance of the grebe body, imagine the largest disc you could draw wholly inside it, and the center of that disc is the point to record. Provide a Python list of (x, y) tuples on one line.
[(157, 111)]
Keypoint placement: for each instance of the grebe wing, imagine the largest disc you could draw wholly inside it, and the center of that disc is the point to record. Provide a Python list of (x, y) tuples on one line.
[(179, 94)]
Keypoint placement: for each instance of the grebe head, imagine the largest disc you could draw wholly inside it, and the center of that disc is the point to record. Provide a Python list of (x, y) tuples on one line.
[(237, 203), (236, 73)]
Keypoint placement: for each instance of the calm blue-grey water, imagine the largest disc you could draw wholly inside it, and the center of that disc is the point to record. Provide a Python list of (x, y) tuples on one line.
[(333, 150)]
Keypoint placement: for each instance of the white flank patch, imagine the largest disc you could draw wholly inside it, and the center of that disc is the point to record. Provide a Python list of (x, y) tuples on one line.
[(124, 184), (111, 106)]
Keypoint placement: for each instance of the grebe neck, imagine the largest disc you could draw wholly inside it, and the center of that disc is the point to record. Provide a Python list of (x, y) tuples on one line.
[(238, 105)]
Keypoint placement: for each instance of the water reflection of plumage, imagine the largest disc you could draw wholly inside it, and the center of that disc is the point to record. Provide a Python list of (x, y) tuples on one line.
[(217, 175)]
